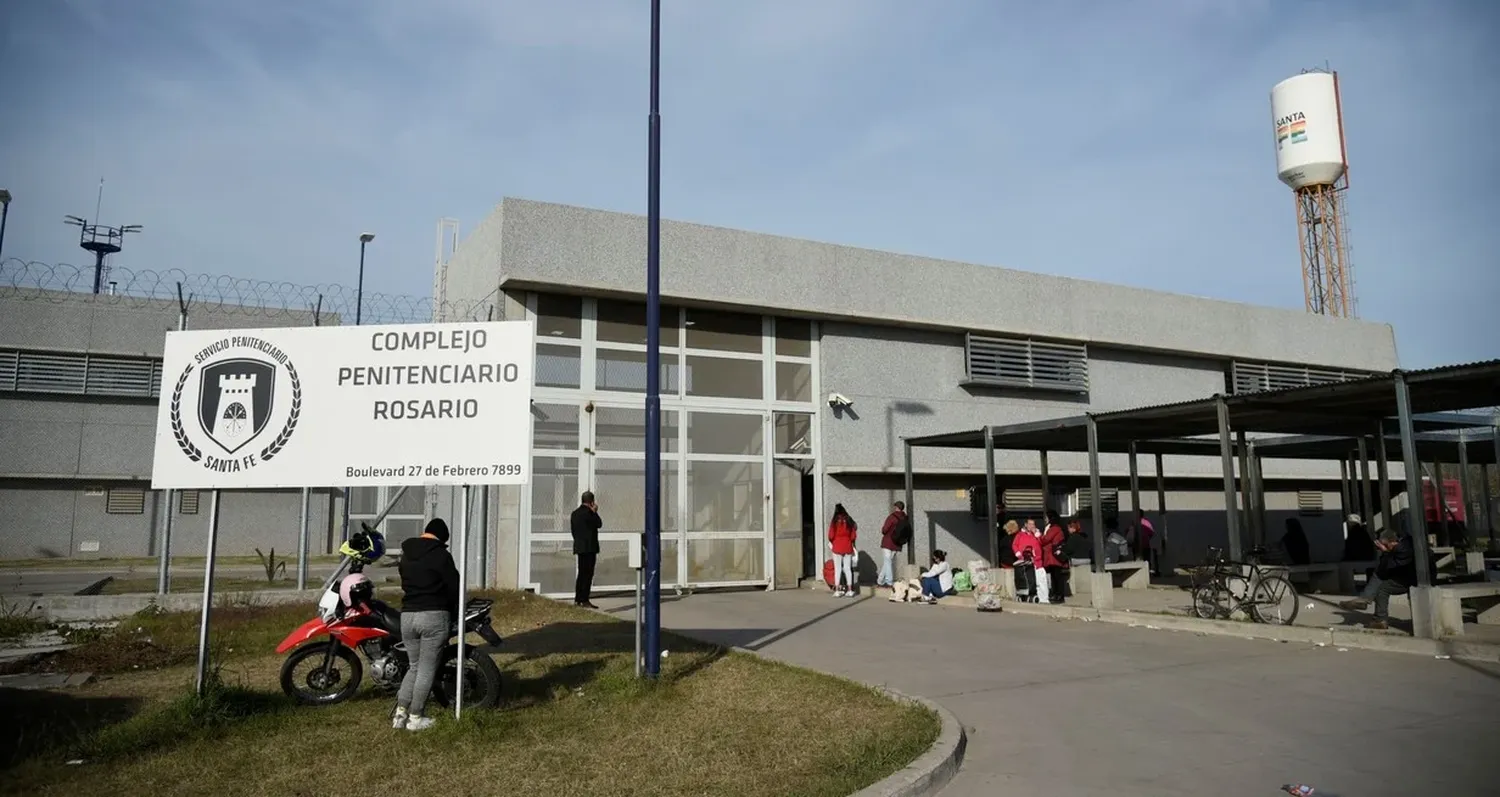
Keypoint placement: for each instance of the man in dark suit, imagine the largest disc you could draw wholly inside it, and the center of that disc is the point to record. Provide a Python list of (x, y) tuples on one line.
[(585, 526)]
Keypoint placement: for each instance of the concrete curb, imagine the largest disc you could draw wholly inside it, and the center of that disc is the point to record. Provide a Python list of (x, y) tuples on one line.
[(1452, 647), (73, 608), (932, 770)]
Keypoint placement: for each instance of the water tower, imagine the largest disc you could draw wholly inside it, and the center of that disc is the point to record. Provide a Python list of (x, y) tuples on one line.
[(1308, 122)]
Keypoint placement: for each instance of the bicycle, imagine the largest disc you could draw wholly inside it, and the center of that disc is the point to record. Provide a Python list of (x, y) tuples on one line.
[(1220, 589)]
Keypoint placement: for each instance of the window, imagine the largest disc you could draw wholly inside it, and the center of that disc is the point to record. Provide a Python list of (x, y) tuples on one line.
[(725, 434), (793, 433), (559, 316), (558, 366), (723, 331), (79, 374), (793, 337), (125, 501), (712, 377), (1109, 497), (554, 493), (364, 501), (621, 488), (187, 502), (726, 496), (555, 426), (793, 381), (1310, 503), (623, 429), (1026, 363), (625, 371), (625, 322), (1248, 377)]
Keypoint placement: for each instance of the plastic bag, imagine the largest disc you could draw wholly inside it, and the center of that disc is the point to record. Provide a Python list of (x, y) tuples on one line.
[(962, 581), (986, 588)]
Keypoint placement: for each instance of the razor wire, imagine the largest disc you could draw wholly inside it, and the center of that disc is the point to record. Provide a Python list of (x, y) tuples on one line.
[(62, 283)]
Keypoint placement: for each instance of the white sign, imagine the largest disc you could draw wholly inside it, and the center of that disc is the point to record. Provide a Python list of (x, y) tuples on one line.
[(343, 406)]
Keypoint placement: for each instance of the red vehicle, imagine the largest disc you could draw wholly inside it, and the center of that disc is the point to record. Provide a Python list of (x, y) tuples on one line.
[(1452, 501), (325, 666)]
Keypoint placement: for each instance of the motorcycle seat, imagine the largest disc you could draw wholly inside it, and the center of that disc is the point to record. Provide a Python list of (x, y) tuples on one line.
[(386, 617)]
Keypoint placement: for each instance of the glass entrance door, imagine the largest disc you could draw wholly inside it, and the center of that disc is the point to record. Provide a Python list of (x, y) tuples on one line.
[(615, 456)]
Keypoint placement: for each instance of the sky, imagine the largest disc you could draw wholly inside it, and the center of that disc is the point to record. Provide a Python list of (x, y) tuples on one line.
[(1123, 141)]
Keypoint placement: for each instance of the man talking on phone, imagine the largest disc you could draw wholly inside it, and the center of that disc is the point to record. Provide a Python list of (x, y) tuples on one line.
[(585, 524)]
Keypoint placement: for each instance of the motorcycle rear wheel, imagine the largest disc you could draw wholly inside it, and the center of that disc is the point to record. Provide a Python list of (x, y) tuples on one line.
[(481, 680), (313, 691)]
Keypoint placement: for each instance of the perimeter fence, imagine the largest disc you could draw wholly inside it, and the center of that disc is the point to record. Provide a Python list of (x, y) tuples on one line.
[(222, 294)]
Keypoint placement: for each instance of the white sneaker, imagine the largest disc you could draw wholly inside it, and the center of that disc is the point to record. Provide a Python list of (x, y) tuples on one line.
[(399, 719), (420, 723)]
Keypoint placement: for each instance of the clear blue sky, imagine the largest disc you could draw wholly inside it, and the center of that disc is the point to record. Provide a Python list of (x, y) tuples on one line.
[(1121, 141)]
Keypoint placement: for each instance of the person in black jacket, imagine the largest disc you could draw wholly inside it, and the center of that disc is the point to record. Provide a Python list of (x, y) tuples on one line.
[(1395, 574), (585, 524), (429, 585)]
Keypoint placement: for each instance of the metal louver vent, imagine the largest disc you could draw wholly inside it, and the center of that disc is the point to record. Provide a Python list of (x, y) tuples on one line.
[(79, 374), (1026, 363), (1309, 503), (7, 370), (1020, 499), (187, 502), (125, 501), (1261, 377)]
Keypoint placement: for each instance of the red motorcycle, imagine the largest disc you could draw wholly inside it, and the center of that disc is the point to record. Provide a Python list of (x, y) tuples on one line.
[(325, 669)]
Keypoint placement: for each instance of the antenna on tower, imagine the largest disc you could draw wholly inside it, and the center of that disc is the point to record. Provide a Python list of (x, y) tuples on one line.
[(1308, 123), (101, 240)]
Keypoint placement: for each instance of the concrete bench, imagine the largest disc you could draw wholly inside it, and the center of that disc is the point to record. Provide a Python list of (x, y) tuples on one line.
[(1347, 572), (1124, 575), (1450, 601), (1319, 576)]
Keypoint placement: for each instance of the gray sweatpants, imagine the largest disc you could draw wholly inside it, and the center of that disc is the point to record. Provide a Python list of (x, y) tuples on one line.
[(425, 635)]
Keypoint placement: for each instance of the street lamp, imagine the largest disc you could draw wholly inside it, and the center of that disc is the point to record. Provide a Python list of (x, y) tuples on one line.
[(359, 291), (4, 211)]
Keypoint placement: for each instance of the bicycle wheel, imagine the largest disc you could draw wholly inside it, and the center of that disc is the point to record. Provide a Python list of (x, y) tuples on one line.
[(1236, 597), (1210, 601), (1275, 601)]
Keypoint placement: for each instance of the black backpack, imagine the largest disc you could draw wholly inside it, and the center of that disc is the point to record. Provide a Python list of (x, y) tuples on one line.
[(901, 535)]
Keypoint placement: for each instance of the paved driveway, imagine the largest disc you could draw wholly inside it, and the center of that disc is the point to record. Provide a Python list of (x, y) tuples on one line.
[(1080, 709)]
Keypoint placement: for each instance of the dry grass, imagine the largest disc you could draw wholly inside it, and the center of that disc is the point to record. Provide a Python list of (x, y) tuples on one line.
[(574, 721)]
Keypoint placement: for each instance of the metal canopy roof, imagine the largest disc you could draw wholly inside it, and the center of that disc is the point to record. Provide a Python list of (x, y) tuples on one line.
[(1330, 411)]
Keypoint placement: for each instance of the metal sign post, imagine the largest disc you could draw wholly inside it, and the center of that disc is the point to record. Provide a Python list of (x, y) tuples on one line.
[(164, 567), (208, 592), (636, 555), (302, 540), (463, 600)]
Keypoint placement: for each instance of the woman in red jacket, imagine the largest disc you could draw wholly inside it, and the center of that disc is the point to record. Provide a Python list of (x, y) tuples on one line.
[(1028, 547), (1052, 540), (842, 531)]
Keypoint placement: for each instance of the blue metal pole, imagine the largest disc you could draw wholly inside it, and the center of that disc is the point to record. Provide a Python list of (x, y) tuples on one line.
[(652, 619)]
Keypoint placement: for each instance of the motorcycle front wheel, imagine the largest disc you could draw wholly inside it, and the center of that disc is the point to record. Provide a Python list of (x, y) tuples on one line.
[(481, 680), (305, 678)]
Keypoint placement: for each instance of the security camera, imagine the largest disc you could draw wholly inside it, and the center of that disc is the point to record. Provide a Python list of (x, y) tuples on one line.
[(839, 400)]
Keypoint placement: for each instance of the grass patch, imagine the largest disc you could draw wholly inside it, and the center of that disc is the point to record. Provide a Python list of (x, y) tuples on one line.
[(573, 721), (192, 585), (15, 626), (148, 562)]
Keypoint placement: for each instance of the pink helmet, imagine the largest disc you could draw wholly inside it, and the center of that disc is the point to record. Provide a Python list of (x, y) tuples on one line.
[(356, 588)]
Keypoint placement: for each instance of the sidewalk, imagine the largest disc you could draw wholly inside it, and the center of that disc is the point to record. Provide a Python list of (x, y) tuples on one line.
[(1105, 709)]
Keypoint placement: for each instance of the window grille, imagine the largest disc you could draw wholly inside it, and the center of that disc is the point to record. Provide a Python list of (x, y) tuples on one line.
[(1026, 363)]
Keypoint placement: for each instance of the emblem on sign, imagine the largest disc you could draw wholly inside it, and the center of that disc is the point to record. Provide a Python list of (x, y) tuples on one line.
[(237, 405)]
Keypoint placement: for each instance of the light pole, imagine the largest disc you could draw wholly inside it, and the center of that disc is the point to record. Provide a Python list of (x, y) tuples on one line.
[(4, 211), (359, 290), (359, 305), (651, 615)]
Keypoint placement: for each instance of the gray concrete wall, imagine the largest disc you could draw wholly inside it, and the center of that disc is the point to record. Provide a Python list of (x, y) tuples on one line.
[(121, 325), (44, 520), (907, 382), (598, 251)]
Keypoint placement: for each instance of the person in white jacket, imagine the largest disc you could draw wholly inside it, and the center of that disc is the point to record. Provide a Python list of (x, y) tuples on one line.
[(937, 581)]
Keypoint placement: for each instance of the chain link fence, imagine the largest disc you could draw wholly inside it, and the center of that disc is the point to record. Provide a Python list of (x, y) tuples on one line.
[(62, 282)]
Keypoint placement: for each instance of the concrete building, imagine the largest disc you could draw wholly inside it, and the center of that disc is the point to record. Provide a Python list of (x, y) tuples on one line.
[(79, 379), (759, 330)]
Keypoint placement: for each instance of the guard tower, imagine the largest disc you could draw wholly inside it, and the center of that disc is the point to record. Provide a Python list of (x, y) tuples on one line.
[(234, 421)]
